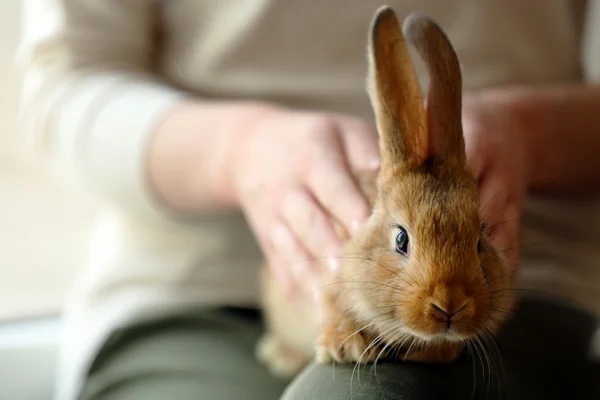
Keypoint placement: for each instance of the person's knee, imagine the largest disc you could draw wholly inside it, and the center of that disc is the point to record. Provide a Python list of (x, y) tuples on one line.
[(386, 382)]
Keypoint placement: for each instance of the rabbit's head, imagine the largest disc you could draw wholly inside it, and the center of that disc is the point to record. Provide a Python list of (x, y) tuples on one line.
[(422, 265)]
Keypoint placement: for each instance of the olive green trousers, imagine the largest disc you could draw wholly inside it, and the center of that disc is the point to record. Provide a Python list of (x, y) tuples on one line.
[(543, 353)]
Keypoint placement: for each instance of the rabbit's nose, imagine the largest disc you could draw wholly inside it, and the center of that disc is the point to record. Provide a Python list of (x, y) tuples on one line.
[(445, 313), (448, 312), (441, 315), (440, 312)]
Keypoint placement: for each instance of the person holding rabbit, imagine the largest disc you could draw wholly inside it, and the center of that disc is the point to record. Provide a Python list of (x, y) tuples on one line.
[(217, 134)]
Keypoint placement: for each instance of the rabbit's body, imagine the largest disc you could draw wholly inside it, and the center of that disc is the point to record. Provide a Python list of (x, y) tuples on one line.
[(420, 278), (289, 343)]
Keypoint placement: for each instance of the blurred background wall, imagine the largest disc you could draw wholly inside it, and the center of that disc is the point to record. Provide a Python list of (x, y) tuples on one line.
[(43, 227)]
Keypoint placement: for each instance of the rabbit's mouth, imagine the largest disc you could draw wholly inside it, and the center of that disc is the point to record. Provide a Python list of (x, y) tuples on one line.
[(450, 329), (444, 335), (454, 318)]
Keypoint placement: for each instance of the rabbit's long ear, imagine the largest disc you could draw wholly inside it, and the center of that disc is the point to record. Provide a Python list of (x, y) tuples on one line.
[(395, 96), (444, 97)]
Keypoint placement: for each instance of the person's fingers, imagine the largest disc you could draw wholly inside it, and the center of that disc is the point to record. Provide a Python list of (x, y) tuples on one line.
[(272, 235), (475, 149), (361, 145), (311, 226), (292, 259), (331, 182), (282, 274), (501, 210), (507, 238), (493, 199)]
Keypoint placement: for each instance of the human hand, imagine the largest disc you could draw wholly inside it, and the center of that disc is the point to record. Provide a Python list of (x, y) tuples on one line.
[(496, 152), (290, 172)]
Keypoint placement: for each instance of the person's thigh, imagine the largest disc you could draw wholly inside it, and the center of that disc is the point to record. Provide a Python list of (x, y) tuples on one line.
[(543, 353), (199, 356)]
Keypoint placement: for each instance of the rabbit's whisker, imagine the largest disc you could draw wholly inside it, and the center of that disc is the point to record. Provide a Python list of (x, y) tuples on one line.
[(499, 310), (488, 362), (390, 344), (484, 208), (479, 355), (470, 350), (409, 348), (490, 318), (535, 293), (399, 346), (503, 378), (373, 343), (508, 272), (395, 288), (373, 318)]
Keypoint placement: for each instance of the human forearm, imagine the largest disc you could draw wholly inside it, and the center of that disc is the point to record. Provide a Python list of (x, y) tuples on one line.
[(560, 128), (189, 154)]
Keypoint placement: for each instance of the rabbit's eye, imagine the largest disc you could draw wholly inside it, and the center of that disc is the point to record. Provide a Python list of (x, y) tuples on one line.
[(402, 241)]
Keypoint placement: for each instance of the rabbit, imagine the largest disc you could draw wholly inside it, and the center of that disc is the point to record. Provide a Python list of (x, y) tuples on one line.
[(419, 278)]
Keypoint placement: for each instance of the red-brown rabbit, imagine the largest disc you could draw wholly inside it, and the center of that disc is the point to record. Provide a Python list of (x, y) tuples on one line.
[(420, 278)]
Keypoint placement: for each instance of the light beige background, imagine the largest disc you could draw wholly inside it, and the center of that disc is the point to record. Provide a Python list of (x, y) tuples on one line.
[(43, 227)]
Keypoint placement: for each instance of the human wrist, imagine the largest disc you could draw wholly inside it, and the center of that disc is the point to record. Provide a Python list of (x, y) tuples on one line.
[(190, 155), (244, 118)]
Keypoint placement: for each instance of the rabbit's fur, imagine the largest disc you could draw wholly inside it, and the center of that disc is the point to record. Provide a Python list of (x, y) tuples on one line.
[(383, 303)]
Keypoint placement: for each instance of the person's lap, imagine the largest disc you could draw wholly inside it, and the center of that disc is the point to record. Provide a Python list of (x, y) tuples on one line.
[(210, 356), (193, 356)]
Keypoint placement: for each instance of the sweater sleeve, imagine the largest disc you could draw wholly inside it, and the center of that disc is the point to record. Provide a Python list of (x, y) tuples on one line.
[(89, 99)]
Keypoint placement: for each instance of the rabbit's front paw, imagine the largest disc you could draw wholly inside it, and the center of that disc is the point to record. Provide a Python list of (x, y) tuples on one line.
[(281, 360), (345, 346)]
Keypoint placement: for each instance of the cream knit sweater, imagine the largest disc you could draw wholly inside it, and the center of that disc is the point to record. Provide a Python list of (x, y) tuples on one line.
[(99, 74)]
